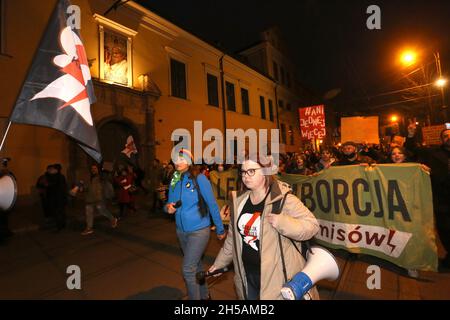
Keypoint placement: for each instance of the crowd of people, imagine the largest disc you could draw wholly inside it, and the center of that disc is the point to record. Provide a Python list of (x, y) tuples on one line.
[(183, 191)]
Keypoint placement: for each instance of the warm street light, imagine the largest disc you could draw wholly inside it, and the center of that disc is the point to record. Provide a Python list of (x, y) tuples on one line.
[(394, 119), (441, 82), (408, 57)]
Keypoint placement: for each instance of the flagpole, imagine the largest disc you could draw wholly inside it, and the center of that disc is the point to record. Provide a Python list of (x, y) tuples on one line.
[(4, 136)]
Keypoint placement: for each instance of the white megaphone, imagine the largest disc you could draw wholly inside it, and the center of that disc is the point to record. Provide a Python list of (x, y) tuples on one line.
[(320, 265), (8, 192)]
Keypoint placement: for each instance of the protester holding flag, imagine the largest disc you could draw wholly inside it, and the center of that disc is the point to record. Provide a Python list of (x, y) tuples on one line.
[(129, 157), (255, 232), (191, 199)]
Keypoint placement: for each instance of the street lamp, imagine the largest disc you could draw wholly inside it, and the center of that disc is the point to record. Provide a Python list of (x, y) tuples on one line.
[(441, 82), (408, 57), (394, 118)]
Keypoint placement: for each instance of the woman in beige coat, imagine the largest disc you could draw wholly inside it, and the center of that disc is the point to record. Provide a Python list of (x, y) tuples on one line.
[(252, 243)]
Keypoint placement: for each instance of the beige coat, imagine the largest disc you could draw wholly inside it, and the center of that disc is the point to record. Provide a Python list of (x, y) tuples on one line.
[(296, 222)]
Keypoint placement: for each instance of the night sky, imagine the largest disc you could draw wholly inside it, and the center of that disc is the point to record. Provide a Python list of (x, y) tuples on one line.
[(328, 40)]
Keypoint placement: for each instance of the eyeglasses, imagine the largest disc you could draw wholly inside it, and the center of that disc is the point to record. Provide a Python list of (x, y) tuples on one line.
[(249, 172)]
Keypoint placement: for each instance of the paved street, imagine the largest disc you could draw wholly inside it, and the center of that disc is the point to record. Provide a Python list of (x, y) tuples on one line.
[(141, 260)]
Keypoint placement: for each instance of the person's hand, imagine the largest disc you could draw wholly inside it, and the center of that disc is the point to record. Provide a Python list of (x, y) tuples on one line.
[(425, 168), (273, 219), (364, 164), (212, 269), (221, 236), (412, 127), (108, 58), (170, 209)]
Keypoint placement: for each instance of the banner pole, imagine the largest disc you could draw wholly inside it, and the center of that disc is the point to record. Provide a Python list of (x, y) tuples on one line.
[(5, 134)]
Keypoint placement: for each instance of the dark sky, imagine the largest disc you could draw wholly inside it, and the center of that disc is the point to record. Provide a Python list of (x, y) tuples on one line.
[(328, 39)]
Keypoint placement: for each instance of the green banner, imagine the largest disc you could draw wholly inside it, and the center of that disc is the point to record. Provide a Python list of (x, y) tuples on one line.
[(222, 183), (383, 210)]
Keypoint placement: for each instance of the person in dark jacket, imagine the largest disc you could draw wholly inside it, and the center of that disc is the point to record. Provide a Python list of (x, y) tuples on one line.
[(438, 159), (57, 196), (350, 155), (41, 186)]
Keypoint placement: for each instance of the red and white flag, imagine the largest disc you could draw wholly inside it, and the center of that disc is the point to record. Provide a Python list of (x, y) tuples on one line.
[(58, 90)]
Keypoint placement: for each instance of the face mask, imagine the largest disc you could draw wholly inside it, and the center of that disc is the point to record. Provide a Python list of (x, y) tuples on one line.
[(349, 156)]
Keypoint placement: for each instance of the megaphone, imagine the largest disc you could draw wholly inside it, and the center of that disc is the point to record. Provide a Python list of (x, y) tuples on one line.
[(8, 192), (320, 265)]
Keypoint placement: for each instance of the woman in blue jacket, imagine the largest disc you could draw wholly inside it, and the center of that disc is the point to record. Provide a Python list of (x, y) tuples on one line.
[(191, 199)]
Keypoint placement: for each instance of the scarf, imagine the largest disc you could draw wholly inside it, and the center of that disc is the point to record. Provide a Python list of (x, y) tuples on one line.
[(175, 178)]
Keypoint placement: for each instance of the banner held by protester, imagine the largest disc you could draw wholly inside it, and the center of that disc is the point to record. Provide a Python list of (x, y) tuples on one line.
[(385, 210)]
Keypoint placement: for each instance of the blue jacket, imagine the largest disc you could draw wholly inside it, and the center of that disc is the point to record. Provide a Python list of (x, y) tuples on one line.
[(188, 217)]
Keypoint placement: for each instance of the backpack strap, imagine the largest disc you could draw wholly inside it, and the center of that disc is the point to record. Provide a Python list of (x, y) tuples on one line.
[(277, 208), (203, 206)]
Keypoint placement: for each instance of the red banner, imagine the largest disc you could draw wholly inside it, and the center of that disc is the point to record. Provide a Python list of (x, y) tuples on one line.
[(312, 122)]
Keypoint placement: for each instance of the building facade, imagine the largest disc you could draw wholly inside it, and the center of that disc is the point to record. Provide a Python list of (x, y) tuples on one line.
[(150, 78)]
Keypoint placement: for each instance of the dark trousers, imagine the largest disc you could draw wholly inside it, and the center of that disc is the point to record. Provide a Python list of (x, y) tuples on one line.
[(59, 215), (123, 206), (253, 286)]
